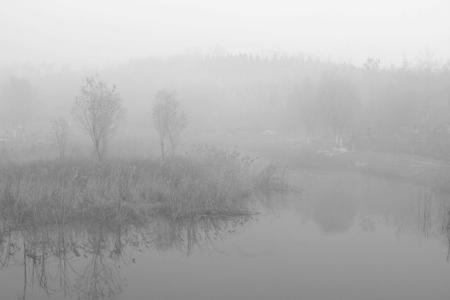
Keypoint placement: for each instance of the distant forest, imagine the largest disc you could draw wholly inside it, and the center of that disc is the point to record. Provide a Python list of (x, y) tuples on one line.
[(397, 109)]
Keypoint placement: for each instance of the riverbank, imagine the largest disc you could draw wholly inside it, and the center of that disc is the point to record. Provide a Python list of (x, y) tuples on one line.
[(293, 152), (417, 169)]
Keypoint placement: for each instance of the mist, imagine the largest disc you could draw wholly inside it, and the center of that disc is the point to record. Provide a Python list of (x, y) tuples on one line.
[(224, 150), (97, 33)]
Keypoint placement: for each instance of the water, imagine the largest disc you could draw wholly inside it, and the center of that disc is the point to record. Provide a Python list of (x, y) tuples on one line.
[(347, 236)]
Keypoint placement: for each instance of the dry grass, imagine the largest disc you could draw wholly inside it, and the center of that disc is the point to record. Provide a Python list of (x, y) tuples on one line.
[(207, 181)]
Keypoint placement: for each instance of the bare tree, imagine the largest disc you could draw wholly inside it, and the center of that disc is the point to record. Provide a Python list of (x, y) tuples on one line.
[(60, 132), (169, 120), (98, 110)]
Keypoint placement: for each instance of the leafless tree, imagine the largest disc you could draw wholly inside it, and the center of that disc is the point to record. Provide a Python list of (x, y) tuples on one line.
[(60, 132), (98, 110), (169, 120)]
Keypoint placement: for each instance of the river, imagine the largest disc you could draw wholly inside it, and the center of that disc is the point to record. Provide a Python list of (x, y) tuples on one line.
[(344, 236)]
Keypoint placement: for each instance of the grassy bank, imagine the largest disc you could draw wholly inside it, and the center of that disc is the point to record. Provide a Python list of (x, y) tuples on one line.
[(417, 169), (206, 181), (293, 152)]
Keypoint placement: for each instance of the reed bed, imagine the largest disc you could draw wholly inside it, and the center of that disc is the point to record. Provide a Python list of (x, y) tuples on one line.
[(207, 181)]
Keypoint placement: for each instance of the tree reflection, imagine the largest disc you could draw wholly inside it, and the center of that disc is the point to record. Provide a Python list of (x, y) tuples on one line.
[(424, 213), (8, 247), (100, 278), (46, 258), (447, 232), (334, 207), (84, 260), (184, 234)]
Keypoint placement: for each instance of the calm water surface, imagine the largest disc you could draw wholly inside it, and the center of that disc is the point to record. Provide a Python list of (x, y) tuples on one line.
[(347, 236)]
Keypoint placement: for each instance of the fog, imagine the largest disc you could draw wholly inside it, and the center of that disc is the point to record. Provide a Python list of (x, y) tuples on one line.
[(224, 149), (93, 33)]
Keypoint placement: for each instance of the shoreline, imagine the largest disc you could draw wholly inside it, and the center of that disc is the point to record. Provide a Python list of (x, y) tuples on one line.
[(416, 169)]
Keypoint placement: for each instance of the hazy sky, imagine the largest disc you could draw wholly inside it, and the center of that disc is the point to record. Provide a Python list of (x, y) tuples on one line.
[(86, 32)]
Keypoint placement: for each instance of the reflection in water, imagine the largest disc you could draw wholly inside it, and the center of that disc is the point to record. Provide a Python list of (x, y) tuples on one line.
[(424, 212), (351, 213), (85, 261), (100, 279), (186, 233), (447, 231), (334, 207), (338, 202)]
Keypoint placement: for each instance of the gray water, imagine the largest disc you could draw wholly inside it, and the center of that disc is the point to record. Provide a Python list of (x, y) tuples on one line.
[(346, 236)]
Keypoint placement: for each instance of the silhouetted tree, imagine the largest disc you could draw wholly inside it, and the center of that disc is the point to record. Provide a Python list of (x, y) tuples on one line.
[(169, 120), (98, 110)]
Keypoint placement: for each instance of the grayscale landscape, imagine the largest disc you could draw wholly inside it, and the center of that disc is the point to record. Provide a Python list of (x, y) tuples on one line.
[(224, 150)]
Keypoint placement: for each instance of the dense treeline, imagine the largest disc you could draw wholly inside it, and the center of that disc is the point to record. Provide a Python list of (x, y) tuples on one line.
[(373, 108)]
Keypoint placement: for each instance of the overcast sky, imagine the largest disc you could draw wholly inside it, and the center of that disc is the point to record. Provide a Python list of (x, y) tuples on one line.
[(92, 32)]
